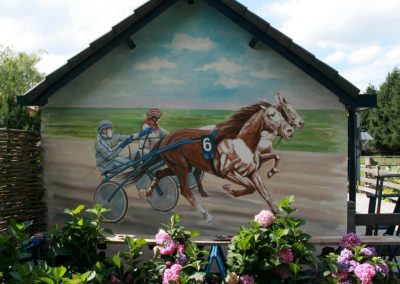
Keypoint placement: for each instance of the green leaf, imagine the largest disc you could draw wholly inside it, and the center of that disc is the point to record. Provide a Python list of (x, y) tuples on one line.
[(58, 272), (46, 280), (78, 209), (116, 260)]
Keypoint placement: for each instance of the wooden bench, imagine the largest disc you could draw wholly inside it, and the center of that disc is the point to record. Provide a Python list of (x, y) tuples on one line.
[(318, 240)]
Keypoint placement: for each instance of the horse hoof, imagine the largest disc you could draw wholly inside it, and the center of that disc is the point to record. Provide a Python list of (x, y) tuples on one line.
[(209, 219), (227, 187), (203, 194)]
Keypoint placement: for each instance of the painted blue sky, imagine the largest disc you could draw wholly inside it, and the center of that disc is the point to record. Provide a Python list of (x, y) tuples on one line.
[(192, 57)]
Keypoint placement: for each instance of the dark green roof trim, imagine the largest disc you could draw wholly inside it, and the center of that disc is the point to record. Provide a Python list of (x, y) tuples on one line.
[(261, 30)]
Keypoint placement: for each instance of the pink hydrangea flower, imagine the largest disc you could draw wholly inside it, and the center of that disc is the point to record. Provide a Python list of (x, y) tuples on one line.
[(365, 272), (350, 241), (265, 218), (172, 274), (285, 255), (166, 244), (162, 236), (181, 248), (247, 279)]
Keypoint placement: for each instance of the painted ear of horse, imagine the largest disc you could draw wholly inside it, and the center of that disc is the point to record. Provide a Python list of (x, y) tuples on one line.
[(278, 97)]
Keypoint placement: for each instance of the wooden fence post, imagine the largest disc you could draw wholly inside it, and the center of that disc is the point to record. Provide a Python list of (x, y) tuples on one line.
[(351, 216)]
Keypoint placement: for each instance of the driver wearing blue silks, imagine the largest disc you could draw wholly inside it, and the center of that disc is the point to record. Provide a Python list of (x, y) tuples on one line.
[(109, 145)]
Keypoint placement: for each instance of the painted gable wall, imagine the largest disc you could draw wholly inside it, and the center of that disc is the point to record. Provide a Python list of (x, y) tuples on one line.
[(196, 66)]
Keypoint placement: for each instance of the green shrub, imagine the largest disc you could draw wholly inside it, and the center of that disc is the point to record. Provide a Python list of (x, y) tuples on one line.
[(272, 249)]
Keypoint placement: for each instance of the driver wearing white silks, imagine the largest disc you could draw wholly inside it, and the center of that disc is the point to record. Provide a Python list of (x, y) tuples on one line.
[(109, 145), (147, 143)]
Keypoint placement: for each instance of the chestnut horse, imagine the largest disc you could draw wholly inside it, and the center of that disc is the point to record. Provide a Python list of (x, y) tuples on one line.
[(253, 119), (292, 118)]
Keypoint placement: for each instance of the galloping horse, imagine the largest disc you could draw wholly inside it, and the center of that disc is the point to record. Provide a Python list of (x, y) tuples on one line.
[(248, 123), (292, 118)]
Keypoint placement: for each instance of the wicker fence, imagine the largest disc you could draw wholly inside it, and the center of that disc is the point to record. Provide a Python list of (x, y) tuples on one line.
[(21, 182)]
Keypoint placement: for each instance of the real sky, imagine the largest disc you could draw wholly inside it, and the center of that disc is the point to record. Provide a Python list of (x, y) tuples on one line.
[(359, 38)]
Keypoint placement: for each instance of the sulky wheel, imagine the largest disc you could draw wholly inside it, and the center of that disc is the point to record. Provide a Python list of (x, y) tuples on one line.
[(117, 203), (165, 195)]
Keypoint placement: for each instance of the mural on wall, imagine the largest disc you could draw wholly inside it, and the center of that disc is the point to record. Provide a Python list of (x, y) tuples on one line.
[(195, 121)]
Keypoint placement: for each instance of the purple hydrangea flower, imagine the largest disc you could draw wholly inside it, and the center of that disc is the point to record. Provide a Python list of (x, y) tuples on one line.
[(350, 241), (369, 251)]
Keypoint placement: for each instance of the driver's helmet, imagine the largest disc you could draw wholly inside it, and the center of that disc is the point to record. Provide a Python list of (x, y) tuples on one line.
[(104, 124), (154, 112)]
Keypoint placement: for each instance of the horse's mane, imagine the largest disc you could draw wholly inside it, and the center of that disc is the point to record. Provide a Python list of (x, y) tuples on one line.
[(230, 128)]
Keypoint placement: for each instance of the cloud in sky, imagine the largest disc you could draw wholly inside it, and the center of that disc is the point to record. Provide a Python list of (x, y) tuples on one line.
[(223, 65), (348, 35), (155, 64), (183, 41)]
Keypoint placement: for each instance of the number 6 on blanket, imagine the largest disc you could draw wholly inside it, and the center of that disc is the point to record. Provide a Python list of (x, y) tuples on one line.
[(208, 146)]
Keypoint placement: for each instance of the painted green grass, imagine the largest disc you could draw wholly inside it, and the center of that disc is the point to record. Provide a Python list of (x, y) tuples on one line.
[(325, 130)]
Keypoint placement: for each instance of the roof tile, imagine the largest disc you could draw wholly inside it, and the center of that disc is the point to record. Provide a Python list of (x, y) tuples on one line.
[(125, 24), (347, 86), (257, 21), (280, 37), (147, 7), (101, 41), (236, 6), (38, 89), (78, 58), (302, 53), (325, 69), (57, 74)]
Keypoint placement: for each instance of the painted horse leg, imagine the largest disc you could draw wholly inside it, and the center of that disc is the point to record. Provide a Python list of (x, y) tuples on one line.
[(197, 175), (267, 157), (159, 175), (243, 181), (183, 177), (257, 179)]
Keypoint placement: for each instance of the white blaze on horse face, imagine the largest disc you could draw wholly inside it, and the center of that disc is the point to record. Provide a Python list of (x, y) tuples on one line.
[(294, 118), (298, 121)]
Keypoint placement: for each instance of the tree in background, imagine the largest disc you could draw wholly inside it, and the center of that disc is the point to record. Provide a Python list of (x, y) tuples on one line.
[(18, 74), (383, 123)]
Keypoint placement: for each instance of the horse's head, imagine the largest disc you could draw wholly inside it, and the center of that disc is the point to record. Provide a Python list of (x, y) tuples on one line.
[(289, 113), (275, 123)]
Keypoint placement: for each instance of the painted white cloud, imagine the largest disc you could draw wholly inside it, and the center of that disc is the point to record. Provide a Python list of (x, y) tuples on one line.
[(223, 65), (166, 81), (263, 74), (155, 64), (231, 83), (183, 41)]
